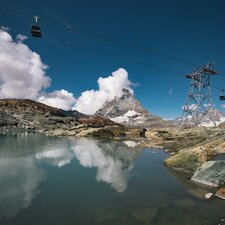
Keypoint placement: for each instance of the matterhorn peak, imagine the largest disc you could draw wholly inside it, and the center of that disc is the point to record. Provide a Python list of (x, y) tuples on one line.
[(127, 110)]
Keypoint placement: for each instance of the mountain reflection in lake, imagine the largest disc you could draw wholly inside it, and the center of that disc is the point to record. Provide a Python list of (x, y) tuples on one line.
[(50, 180)]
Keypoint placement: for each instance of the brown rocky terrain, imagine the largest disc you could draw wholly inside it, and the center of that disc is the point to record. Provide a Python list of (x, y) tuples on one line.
[(17, 115), (27, 105)]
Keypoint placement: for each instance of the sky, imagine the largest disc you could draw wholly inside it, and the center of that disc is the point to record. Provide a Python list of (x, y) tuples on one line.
[(149, 46)]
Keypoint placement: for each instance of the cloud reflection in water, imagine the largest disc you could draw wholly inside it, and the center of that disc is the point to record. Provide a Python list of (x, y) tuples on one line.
[(109, 169), (19, 180), (21, 171)]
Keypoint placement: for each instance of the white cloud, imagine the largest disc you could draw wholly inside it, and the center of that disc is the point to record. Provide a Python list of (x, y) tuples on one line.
[(21, 37), (170, 92), (61, 98), (207, 105), (190, 107), (23, 74), (222, 106), (110, 87), (4, 28)]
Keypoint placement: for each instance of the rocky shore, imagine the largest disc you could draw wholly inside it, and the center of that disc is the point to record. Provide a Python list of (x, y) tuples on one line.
[(200, 151)]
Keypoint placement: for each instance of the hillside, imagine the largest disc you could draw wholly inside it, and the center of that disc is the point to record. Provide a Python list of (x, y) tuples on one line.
[(19, 115)]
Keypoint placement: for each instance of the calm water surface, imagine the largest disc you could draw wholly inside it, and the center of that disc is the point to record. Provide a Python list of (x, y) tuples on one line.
[(67, 181)]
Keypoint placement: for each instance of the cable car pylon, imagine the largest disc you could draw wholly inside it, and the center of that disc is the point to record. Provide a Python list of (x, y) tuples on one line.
[(199, 103)]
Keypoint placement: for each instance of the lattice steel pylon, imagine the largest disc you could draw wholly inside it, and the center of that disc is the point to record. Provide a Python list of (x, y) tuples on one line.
[(199, 100)]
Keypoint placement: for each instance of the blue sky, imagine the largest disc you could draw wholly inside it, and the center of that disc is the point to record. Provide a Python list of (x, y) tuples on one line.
[(192, 31)]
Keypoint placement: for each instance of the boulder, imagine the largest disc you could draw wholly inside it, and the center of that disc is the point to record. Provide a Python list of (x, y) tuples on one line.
[(211, 173), (188, 160)]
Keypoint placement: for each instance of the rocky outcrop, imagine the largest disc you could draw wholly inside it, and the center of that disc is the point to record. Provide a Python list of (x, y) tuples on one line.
[(211, 173), (189, 159)]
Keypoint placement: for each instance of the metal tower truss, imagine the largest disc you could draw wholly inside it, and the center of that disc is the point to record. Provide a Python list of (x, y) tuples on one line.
[(199, 103)]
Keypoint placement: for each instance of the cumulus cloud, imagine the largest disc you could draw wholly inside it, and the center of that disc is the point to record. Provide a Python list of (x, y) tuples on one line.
[(23, 74), (4, 28), (222, 106), (61, 98), (110, 87)]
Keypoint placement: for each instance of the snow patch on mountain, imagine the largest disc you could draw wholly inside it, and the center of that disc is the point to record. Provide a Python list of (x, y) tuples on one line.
[(126, 117)]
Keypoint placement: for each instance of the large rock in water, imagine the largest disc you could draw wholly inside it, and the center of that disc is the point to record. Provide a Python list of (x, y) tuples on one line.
[(188, 159), (126, 110), (211, 173)]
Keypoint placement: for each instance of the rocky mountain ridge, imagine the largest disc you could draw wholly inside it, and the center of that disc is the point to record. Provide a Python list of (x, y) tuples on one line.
[(128, 111), (19, 115)]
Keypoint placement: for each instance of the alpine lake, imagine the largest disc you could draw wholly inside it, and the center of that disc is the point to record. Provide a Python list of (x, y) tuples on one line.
[(48, 180)]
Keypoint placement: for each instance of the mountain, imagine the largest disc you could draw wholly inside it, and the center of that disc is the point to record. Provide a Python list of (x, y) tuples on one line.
[(128, 111), (217, 115), (27, 105), (26, 113)]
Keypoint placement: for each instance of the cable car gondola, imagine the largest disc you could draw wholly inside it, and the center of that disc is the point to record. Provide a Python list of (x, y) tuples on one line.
[(35, 29), (222, 96)]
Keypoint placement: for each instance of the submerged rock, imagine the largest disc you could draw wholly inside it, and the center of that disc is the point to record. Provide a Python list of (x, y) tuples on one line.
[(189, 159), (193, 188), (145, 215), (211, 173), (185, 203), (105, 217)]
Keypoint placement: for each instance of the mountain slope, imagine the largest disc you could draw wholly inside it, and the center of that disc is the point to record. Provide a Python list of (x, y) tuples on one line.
[(27, 113), (128, 111), (217, 116)]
